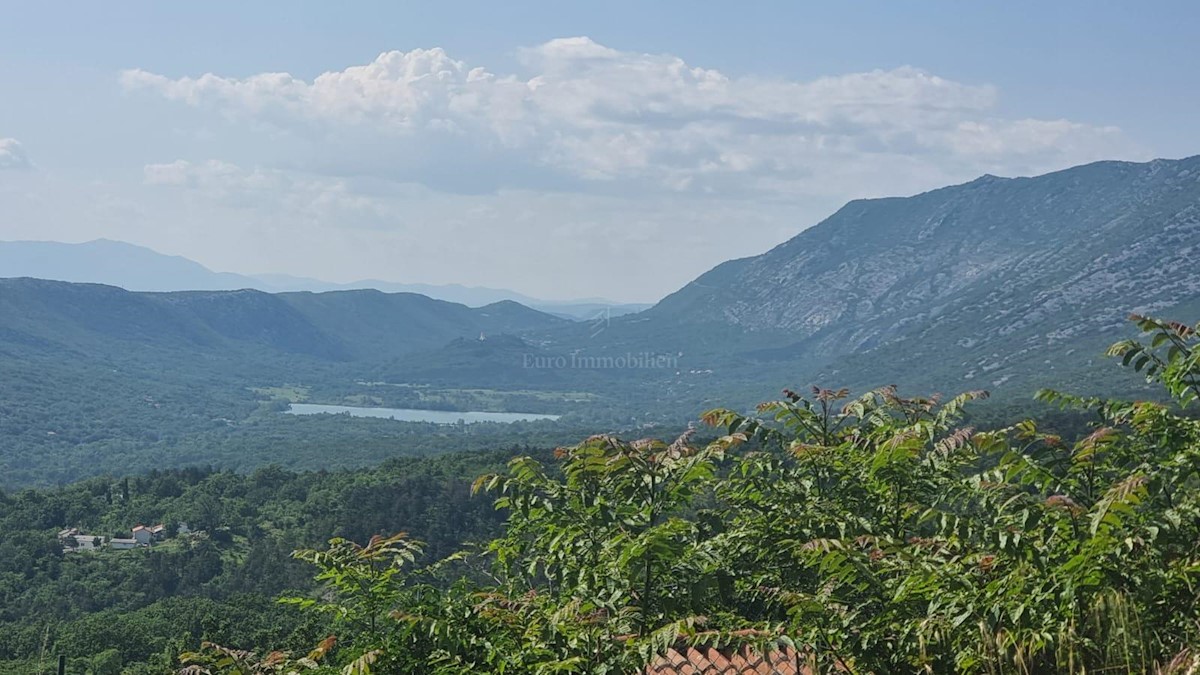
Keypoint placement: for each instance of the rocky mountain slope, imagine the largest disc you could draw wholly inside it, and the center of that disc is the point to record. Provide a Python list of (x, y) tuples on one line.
[(968, 281)]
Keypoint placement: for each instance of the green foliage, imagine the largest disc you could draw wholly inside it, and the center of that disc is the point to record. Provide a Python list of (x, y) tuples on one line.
[(64, 421), (362, 579), (218, 585), (878, 533), (904, 541), (1171, 357), (612, 551)]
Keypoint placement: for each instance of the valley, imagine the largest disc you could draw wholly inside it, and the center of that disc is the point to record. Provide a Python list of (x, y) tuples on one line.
[(544, 338), (1009, 285)]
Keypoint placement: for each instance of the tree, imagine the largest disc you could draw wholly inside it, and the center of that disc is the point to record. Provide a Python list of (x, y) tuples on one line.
[(607, 550), (107, 662), (880, 533)]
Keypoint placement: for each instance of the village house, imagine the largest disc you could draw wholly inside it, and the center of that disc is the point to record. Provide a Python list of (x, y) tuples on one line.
[(74, 540), (86, 542), (146, 535), (142, 535)]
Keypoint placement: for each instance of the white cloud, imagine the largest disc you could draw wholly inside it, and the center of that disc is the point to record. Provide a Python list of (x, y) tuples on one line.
[(420, 167), (591, 118), (12, 155)]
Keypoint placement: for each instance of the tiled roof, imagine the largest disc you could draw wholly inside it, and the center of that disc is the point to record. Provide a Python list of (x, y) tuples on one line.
[(743, 661)]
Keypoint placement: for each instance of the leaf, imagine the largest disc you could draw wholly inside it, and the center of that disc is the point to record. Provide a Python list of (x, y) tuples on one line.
[(362, 664)]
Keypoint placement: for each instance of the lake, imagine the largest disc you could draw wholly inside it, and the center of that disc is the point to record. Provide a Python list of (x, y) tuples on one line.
[(409, 415)]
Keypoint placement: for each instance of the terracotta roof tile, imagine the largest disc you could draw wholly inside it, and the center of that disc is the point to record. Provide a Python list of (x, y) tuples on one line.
[(743, 661), (676, 658)]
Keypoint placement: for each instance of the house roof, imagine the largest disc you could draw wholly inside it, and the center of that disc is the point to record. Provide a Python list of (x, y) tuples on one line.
[(140, 527), (742, 661)]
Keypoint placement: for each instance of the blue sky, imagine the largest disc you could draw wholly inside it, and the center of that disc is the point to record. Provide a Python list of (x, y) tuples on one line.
[(522, 155)]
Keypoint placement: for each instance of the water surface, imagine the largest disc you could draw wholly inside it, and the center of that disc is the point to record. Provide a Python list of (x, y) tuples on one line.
[(411, 415)]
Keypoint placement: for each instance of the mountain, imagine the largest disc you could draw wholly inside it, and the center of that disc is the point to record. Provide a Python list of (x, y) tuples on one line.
[(137, 268), (590, 310), (993, 282), (1001, 284), (95, 320), (115, 263), (376, 325), (474, 296), (96, 378), (461, 362), (585, 309)]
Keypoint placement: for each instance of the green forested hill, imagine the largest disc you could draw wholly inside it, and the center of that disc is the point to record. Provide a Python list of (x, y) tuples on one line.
[(95, 379), (92, 320), (148, 604)]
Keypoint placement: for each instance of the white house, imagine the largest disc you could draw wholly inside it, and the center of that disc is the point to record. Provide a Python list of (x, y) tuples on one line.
[(84, 542), (121, 544), (148, 534)]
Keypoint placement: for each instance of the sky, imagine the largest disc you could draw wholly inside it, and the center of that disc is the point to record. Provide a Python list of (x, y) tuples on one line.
[(562, 150)]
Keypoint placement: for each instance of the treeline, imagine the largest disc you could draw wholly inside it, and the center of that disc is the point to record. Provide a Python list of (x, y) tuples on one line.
[(137, 609)]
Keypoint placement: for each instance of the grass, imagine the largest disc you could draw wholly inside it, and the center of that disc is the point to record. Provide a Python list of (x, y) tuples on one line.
[(287, 392), (430, 390)]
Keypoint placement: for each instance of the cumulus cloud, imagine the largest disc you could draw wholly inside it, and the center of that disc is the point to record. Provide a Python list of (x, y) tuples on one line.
[(585, 157), (12, 155), (587, 117)]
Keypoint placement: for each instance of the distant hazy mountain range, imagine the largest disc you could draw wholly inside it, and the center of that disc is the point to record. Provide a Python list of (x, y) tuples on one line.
[(136, 268)]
